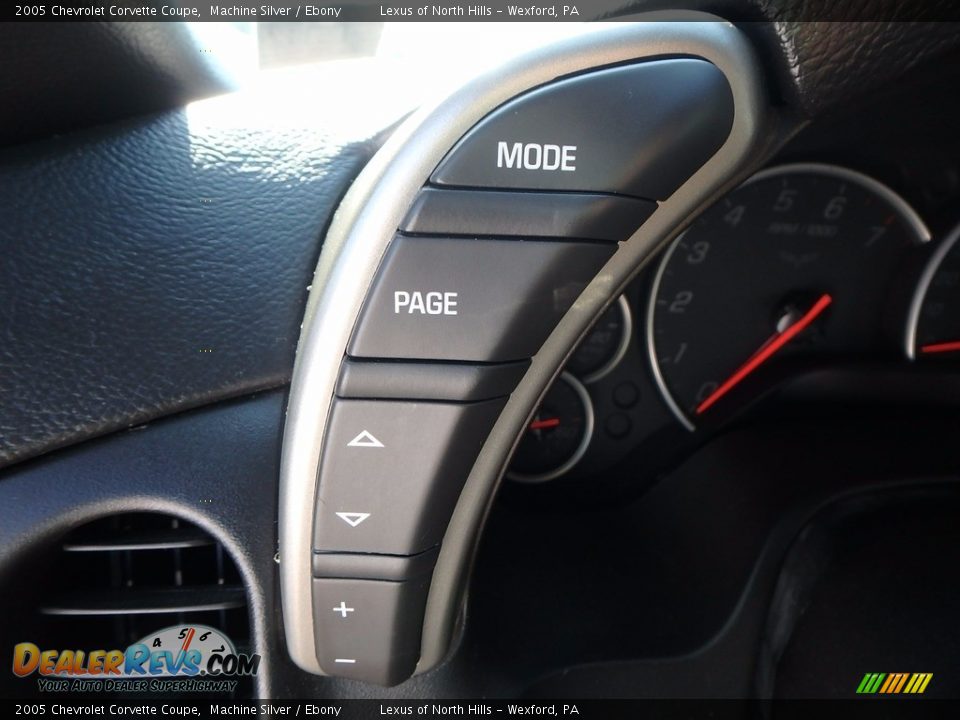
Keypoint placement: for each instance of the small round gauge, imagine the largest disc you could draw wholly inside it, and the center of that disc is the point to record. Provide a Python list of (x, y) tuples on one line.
[(933, 327), (558, 434), (605, 344), (201, 640), (793, 266)]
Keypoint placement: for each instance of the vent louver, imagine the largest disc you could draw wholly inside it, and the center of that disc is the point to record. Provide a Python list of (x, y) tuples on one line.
[(116, 580)]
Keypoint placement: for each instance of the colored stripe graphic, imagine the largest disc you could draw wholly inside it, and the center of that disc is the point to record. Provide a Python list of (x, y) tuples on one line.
[(903, 679), (892, 679), (918, 683), (894, 683), (870, 683)]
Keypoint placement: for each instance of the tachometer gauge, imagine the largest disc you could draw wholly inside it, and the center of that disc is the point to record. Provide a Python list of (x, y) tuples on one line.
[(796, 262), (558, 434), (604, 345), (933, 327)]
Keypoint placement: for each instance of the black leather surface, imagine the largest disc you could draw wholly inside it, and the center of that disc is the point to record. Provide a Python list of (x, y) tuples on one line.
[(823, 53), (56, 77), (828, 64), (161, 264)]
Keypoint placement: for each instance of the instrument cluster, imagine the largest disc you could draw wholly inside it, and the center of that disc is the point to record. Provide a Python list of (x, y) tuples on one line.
[(804, 266)]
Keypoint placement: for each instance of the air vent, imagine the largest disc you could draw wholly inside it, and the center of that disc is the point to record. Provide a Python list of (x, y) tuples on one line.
[(117, 580)]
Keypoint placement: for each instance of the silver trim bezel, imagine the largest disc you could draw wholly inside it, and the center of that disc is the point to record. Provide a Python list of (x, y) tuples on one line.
[(923, 286), (622, 346), (364, 224), (658, 379), (590, 420), (914, 222)]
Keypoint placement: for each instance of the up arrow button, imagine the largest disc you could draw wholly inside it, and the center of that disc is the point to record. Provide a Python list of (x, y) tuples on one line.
[(395, 500), (365, 440)]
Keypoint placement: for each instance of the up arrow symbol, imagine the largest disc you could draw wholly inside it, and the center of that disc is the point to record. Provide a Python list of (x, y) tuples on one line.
[(365, 439)]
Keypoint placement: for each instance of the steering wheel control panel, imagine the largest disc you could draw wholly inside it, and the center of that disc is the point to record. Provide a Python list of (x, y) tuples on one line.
[(478, 276), (498, 242)]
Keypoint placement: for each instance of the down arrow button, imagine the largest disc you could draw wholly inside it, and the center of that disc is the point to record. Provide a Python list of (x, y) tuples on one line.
[(392, 472)]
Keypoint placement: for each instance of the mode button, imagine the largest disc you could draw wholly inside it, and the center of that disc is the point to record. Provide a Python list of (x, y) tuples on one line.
[(638, 130)]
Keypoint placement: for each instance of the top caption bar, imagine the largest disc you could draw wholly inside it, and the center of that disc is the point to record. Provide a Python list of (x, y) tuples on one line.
[(394, 11), (307, 12)]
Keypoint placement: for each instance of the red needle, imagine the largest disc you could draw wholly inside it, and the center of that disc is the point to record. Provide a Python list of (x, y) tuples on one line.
[(545, 423), (188, 639), (940, 347), (766, 351), (186, 645)]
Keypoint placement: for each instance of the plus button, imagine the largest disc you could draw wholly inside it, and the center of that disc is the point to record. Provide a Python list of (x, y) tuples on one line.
[(343, 609)]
